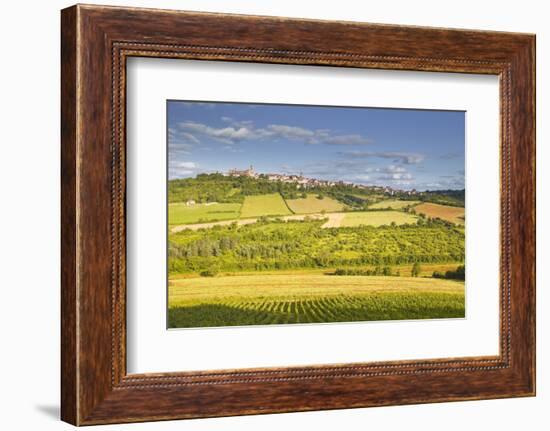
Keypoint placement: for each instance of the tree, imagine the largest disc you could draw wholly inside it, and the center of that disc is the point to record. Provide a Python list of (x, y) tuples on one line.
[(415, 271)]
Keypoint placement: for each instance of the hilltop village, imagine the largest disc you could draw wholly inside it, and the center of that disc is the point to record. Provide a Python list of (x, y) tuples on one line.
[(307, 183)]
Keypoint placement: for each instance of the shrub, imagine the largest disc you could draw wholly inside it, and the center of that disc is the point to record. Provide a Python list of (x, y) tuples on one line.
[(208, 273), (438, 274), (458, 274), (415, 271)]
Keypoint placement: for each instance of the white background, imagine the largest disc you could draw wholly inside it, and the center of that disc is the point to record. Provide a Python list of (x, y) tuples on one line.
[(151, 348), (29, 216)]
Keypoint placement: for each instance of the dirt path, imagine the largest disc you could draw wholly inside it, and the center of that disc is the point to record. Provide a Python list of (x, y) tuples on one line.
[(198, 226), (334, 220)]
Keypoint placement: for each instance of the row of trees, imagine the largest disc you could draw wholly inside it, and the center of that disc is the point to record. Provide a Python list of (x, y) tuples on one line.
[(384, 271), (303, 244), (379, 271)]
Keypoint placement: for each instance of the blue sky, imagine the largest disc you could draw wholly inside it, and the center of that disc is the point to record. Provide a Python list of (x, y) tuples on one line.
[(401, 148)]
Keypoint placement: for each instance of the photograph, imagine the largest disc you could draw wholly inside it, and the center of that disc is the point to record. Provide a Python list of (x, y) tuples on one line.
[(286, 214)]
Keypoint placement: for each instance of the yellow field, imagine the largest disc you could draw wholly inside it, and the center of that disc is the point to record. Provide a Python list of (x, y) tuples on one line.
[(309, 298), (444, 212), (376, 218), (394, 204), (312, 205), (264, 205)]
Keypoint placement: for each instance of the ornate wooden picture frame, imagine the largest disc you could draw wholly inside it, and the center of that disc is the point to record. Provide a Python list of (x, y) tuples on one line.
[(96, 41)]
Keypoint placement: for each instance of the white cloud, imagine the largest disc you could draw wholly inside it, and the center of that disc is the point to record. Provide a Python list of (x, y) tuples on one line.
[(186, 165), (395, 156), (246, 130), (180, 141), (225, 134), (396, 176), (392, 169), (288, 131), (190, 138), (181, 168)]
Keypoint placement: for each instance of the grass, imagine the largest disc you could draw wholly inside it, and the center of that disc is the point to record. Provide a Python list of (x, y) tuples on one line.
[(180, 213), (393, 204), (377, 218), (444, 212), (312, 204), (261, 299), (264, 205)]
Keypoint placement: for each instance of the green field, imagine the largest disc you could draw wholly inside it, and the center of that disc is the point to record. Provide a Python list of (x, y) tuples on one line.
[(377, 218), (264, 205), (312, 204), (309, 298), (180, 213), (393, 204)]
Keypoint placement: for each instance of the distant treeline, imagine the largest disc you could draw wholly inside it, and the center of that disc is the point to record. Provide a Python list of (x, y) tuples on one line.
[(273, 245), (379, 271), (445, 197)]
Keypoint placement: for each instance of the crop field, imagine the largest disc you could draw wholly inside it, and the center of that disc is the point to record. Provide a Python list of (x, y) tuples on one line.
[(180, 213), (309, 298), (312, 204), (377, 218), (264, 205), (393, 204), (444, 212)]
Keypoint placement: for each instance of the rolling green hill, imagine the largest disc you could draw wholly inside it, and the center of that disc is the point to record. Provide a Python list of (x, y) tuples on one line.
[(249, 251)]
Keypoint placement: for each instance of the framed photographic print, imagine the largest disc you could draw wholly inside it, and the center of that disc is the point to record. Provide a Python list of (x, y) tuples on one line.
[(260, 217)]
